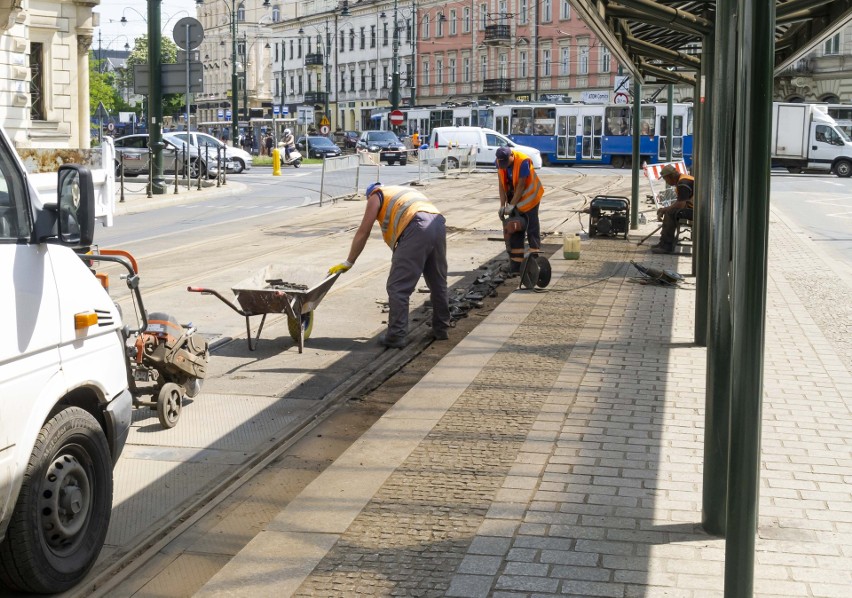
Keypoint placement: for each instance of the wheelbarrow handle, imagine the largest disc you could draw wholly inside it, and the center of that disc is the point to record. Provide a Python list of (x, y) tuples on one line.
[(223, 299)]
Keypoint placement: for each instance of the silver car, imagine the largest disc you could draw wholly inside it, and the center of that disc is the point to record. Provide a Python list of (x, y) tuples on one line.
[(134, 151), (209, 145)]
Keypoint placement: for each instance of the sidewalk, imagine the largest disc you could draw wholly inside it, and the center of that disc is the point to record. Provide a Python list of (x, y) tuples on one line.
[(136, 193), (558, 450)]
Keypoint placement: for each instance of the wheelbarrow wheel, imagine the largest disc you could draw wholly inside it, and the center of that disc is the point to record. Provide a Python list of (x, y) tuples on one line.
[(307, 323), (169, 403)]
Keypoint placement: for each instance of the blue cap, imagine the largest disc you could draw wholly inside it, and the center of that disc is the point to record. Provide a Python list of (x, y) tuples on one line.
[(372, 188), (503, 154)]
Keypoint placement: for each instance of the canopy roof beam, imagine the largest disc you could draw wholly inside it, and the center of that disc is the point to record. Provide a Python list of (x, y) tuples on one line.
[(670, 15), (671, 56)]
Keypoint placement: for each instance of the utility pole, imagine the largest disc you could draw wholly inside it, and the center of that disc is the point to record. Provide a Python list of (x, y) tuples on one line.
[(394, 97), (155, 99), (235, 87), (326, 65), (414, 28)]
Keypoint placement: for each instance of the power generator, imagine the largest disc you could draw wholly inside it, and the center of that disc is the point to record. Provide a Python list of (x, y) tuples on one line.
[(609, 215)]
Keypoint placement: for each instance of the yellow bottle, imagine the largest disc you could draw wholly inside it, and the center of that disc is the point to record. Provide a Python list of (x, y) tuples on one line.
[(571, 248)]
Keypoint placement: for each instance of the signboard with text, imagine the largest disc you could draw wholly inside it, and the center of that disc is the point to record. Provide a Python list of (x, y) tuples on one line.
[(595, 97)]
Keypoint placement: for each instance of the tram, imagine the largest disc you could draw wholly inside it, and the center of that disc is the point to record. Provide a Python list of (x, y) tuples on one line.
[(596, 134)]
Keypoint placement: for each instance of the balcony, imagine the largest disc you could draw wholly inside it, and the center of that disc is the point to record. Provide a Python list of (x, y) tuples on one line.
[(800, 67), (315, 59), (315, 97), (498, 34), (497, 86)]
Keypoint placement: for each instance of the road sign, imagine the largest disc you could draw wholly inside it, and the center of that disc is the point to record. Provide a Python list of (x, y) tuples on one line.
[(227, 115), (324, 122), (621, 83), (285, 110), (188, 33), (396, 117), (220, 113), (110, 127), (101, 112), (324, 129), (172, 78), (275, 110), (621, 98)]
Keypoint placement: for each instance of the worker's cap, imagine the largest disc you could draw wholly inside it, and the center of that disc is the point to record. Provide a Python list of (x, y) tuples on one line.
[(503, 154), (374, 187), (668, 170)]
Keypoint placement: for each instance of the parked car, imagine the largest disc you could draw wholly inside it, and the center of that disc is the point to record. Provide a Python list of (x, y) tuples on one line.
[(348, 139), (485, 140), (134, 149), (319, 147), (390, 148), (242, 159)]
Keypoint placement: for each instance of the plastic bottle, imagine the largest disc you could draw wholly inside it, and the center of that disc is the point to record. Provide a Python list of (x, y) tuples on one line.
[(571, 248)]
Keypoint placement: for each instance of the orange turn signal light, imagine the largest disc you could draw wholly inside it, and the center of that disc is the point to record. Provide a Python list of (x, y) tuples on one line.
[(84, 320)]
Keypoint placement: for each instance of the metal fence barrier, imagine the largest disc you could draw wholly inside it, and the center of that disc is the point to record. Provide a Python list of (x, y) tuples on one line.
[(444, 162)]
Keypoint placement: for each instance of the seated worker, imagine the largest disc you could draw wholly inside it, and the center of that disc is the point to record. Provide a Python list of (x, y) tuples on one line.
[(681, 208)]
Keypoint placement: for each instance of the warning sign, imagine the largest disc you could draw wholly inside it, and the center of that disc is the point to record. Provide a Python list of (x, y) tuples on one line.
[(324, 122)]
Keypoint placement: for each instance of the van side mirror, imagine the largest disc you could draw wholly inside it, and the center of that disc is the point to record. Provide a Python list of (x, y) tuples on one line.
[(75, 195)]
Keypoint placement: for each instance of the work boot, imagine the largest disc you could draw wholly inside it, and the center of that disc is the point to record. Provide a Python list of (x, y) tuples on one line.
[(662, 249), (391, 343), (440, 335)]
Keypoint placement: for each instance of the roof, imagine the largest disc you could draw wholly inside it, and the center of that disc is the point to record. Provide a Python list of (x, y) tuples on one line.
[(662, 38)]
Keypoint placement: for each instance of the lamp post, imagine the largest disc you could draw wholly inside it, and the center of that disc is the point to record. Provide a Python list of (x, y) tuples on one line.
[(235, 88), (394, 97)]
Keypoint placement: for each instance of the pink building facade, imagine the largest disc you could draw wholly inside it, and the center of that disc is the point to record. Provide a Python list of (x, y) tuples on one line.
[(509, 50)]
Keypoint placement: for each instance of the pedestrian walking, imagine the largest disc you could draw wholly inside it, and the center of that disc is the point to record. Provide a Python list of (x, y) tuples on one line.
[(416, 232), (269, 142)]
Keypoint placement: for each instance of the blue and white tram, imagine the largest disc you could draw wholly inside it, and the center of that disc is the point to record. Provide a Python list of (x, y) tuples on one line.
[(596, 134)]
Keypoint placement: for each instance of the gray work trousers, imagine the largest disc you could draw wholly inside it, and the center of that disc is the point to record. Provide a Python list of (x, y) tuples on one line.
[(421, 250)]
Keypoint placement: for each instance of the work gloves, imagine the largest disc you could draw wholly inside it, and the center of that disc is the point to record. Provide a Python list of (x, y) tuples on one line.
[(340, 268), (505, 210)]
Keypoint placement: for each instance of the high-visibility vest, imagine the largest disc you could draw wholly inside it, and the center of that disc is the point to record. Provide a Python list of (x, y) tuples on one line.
[(398, 207), (533, 191), (688, 182)]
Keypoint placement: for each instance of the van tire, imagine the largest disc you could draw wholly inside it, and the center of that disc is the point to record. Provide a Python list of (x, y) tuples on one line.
[(843, 168), (46, 550)]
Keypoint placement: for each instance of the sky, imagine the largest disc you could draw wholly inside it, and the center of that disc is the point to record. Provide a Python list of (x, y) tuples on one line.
[(113, 35)]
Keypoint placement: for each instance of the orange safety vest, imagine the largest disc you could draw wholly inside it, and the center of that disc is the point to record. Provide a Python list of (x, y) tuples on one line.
[(398, 207), (688, 182), (532, 192)]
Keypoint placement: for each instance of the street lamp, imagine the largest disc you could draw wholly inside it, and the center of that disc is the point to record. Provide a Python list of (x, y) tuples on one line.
[(235, 89), (395, 95)]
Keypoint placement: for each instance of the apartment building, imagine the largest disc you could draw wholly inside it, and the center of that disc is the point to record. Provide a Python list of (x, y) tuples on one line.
[(824, 75)]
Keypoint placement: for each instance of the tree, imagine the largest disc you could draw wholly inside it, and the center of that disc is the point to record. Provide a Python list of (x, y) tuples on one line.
[(173, 103)]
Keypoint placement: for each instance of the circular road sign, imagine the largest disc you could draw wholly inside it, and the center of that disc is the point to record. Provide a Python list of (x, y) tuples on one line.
[(188, 33), (110, 127), (324, 129), (396, 117), (621, 98)]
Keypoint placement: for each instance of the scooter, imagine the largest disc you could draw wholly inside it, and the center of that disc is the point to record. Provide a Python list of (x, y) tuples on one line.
[(294, 159)]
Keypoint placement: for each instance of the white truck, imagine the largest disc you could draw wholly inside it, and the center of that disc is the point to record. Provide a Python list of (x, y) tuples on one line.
[(805, 137), (65, 406)]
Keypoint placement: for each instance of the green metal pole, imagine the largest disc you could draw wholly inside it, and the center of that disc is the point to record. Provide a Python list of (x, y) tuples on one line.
[(756, 43), (669, 123), (155, 101), (394, 99), (235, 86), (634, 192), (717, 411), (702, 152)]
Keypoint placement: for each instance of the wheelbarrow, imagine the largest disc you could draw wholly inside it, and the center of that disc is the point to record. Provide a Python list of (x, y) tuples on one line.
[(274, 291)]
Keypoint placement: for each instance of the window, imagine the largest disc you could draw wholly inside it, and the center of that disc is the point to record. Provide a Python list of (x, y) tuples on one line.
[(525, 12), (363, 38), (831, 46), (342, 81), (522, 121), (352, 80), (546, 11), (452, 70), (483, 16), (565, 11), (342, 45), (384, 34), (292, 84), (617, 121), (425, 72), (408, 77), (565, 60), (439, 71), (466, 19), (385, 77), (466, 70), (351, 39), (14, 213), (522, 65), (453, 23), (583, 67), (425, 26), (291, 49), (363, 79), (37, 110), (606, 60), (372, 77), (483, 67), (276, 13), (301, 89), (503, 11), (826, 134), (299, 48), (372, 36), (545, 63), (241, 12), (544, 121), (408, 27), (439, 25)]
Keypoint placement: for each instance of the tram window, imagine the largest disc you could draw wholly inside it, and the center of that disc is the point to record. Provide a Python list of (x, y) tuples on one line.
[(646, 126), (597, 147), (678, 126), (522, 121), (689, 116), (618, 121), (502, 124), (563, 126), (545, 121), (598, 125), (587, 128), (587, 146)]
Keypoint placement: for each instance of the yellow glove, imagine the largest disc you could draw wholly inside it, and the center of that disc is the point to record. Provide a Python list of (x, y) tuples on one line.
[(340, 268)]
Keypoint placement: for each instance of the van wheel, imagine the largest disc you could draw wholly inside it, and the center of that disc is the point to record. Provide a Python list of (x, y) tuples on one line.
[(794, 169), (60, 520), (452, 163), (843, 168)]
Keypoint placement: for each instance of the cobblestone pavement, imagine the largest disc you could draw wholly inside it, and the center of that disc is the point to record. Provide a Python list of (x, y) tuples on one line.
[(571, 464)]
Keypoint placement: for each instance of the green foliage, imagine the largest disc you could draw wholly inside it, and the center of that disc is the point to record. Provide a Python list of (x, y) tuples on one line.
[(173, 104)]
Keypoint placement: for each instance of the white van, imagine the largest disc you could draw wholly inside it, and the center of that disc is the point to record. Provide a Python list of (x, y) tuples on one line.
[(65, 406), (485, 140)]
